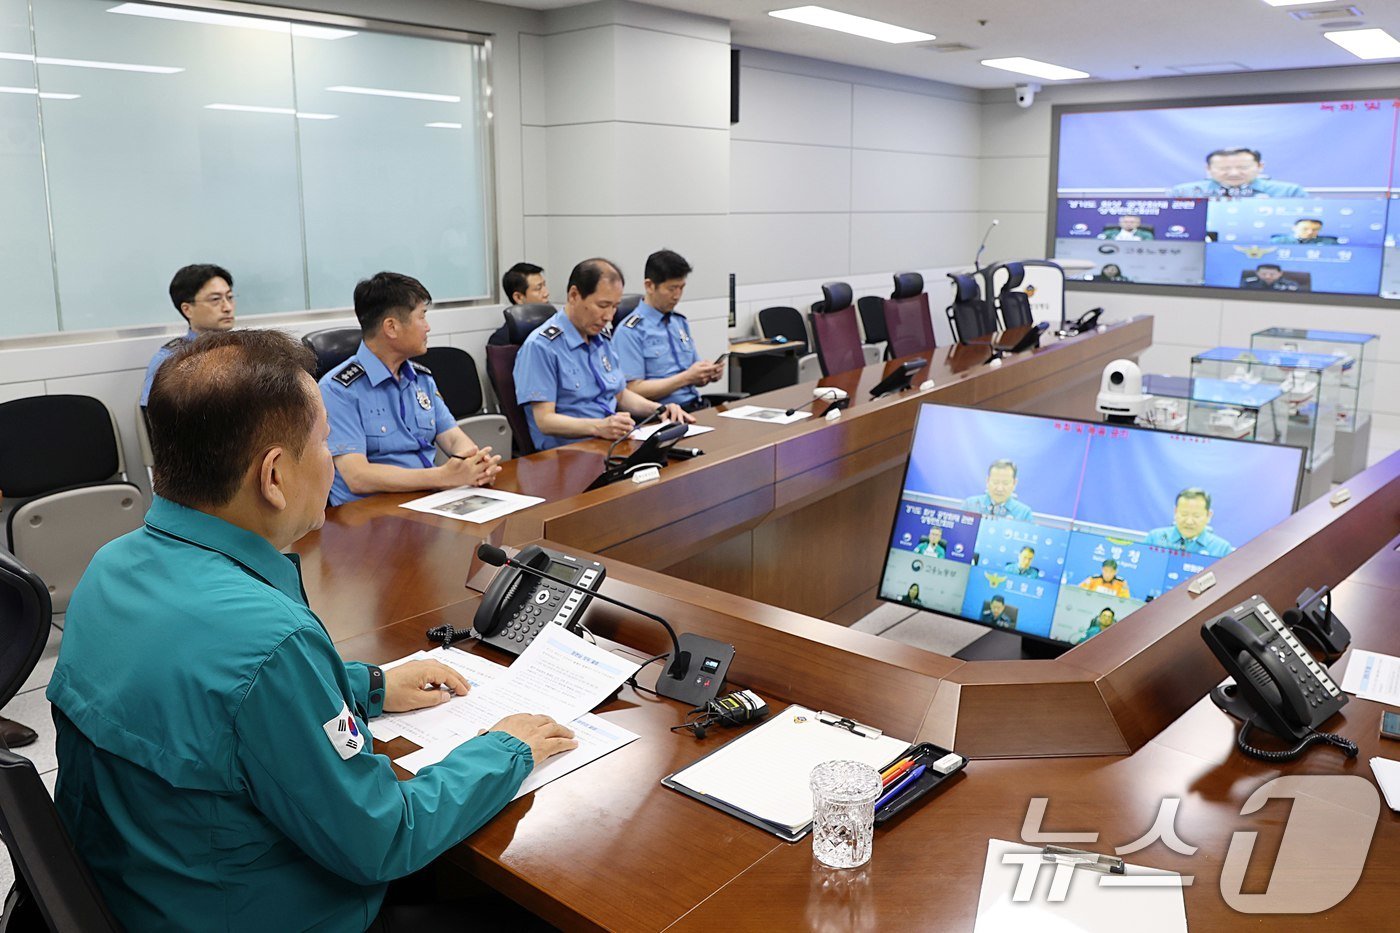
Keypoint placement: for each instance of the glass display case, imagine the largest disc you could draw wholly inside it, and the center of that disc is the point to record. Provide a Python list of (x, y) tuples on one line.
[(1216, 407), (1358, 354), (1310, 385)]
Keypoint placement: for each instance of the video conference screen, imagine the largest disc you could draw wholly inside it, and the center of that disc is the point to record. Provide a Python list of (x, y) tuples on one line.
[(1292, 196), (1058, 530)]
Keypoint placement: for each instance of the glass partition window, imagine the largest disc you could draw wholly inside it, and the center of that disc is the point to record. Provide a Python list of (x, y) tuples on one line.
[(137, 138)]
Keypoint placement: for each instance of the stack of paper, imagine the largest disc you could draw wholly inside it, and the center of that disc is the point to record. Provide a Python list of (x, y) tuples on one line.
[(559, 674), (1387, 774), (1373, 676)]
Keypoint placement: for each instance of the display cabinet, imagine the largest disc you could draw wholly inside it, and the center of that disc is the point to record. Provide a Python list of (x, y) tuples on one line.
[(1216, 407)]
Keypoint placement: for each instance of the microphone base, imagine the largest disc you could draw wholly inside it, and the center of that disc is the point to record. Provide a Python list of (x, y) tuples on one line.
[(704, 665)]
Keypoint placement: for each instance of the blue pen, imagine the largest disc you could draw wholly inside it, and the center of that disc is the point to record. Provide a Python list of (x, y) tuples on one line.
[(893, 792)]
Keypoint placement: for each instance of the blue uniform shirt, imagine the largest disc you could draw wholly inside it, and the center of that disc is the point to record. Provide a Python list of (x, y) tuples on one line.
[(215, 767), (393, 421), (1011, 508), (161, 356), (652, 345), (1260, 187), (1207, 542), (581, 377)]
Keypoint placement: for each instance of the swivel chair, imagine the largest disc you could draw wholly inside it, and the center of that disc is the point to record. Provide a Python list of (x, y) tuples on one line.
[(332, 346), (521, 320), (1015, 306), (835, 330), (906, 316), (968, 315), (457, 380)]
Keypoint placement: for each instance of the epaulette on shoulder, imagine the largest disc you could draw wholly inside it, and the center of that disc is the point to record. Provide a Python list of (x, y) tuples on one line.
[(421, 368), (632, 321), (349, 374), (175, 344), (552, 332)]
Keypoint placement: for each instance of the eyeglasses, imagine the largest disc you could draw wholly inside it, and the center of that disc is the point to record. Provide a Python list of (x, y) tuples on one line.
[(216, 300)]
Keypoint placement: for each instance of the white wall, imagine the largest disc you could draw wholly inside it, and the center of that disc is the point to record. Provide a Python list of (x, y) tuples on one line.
[(1015, 180)]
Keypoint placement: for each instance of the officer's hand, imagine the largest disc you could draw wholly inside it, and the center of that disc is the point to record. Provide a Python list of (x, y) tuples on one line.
[(678, 415), (614, 426), (484, 467), (545, 737), (416, 684)]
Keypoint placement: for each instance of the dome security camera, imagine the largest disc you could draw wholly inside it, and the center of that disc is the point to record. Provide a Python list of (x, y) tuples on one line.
[(1025, 95)]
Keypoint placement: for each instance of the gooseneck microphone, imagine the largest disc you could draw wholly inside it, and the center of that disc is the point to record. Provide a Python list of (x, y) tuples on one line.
[(977, 260), (833, 396)]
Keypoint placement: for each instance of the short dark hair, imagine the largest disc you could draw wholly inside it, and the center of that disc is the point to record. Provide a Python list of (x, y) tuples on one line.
[(187, 282), (1110, 563), (386, 293), (589, 274), (665, 265), (517, 279), (1268, 265), (1308, 220), (1003, 464), (220, 402), (1109, 610), (1236, 151), (1027, 548), (1194, 492), (996, 599)]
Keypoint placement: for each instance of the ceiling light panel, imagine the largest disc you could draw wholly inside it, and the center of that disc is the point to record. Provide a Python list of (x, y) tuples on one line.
[(1035, 69), (853, 25), (1367, 44)]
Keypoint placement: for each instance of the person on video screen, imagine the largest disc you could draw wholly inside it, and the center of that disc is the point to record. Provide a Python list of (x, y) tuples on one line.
[(1107, 581), (932, 543), (1099, 623), (1190, 528), (1111, 273), (913, 595), (996, 615), (1128, 227), (1307, 231), (1237, 173), (999, 501), (1022, 566), (1269, 277)]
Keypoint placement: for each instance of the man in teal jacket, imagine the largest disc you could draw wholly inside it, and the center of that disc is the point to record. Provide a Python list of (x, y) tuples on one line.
[(214, 750)]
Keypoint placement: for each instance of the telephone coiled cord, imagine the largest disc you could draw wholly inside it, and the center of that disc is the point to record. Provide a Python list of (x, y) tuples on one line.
[(1314, 737)]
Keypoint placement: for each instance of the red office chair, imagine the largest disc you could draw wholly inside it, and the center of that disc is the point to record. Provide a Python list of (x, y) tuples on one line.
[(907, 320), (835, 330)]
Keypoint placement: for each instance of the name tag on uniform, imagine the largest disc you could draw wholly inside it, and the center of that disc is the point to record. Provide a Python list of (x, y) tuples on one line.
[(345, 735)]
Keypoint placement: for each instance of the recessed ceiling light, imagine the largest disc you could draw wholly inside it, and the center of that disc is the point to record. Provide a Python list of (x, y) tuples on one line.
[(382, 92), (81, 63), (855, 25), (300, 30), (1293, 2), (46, 95), (286, 111), (1036, 69), (1367, 44), (443, 126)]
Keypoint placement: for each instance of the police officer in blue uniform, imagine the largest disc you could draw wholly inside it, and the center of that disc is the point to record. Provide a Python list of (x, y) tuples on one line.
[(203, 294), (568, 377), (387, 418), (215, 760), (1190, 528), (654, 344)]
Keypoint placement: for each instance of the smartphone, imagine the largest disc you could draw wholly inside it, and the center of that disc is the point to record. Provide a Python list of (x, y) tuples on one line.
[(1390, 725), (721, 358)]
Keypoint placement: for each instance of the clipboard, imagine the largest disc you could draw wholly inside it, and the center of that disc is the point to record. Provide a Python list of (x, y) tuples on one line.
[(761, 777)]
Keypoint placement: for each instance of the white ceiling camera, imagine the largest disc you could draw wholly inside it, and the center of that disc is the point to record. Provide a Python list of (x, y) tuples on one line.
[(1025, 95), (1121, 399)]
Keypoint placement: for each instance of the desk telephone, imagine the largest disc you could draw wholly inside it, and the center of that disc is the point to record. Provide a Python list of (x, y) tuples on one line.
[(518, 605), (1278, 686)]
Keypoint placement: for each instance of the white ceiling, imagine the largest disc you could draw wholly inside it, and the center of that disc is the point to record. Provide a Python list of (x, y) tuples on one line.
[(1113, 40)]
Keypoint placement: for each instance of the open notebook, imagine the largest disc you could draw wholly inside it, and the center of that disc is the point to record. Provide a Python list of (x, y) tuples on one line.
[(762, 777)]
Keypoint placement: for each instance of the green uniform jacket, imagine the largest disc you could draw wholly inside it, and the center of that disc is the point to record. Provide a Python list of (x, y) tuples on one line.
[(209, 769)]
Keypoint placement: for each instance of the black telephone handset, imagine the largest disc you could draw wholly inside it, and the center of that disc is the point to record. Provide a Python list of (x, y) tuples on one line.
[(1087, 320), (517, 605), (1278, 686)]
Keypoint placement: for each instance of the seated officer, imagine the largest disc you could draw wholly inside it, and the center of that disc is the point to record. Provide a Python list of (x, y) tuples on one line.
[(523, 284), (654, 343), (568, 377), (215, 768), (385, 410), (203, 294)]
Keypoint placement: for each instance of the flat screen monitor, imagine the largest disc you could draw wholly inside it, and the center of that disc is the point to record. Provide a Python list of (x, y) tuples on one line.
[(1269, 196), (1056, 530)]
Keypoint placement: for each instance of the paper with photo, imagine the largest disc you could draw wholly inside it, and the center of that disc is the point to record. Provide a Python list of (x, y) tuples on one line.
[(476, 504), (765, 415)]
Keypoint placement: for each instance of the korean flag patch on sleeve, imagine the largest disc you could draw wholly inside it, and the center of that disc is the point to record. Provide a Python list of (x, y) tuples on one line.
[(346, 737)]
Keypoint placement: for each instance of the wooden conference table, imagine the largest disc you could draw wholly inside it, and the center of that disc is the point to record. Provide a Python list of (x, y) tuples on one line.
[(1105, 731)]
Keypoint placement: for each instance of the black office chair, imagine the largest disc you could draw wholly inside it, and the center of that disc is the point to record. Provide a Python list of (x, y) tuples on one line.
[(458, 382), (968, 315), (520, 321), (1015, 306), (67, 490), (332, 346), (26, 613), (872, 321), (626, 306), (786, 322)]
